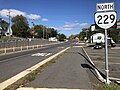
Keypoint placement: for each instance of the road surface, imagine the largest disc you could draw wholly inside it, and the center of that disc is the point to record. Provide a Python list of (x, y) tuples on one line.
[(13, 64), (71, 71)]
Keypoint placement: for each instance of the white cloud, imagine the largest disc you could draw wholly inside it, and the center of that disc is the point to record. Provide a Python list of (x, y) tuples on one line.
[(65, 28), (72, 26), (34, 16), (54, 28), (44, 19), (68, 25), (13, 13), (83, 24)]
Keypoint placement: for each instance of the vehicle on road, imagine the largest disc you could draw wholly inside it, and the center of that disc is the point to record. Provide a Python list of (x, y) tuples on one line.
[(53, 39), (98, 46)]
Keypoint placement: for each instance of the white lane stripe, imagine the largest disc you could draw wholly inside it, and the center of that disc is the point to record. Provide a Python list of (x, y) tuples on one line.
[(41, 54), (46, 89)]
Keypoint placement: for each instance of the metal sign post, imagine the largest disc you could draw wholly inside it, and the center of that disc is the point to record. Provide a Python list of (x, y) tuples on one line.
[(106, 58)]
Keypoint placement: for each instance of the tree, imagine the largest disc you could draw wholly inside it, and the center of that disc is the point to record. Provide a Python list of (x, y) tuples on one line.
[(53, 32), (48, 32), (39, 31), (62, 37), (72, 36), (20, 26), (115, 35)]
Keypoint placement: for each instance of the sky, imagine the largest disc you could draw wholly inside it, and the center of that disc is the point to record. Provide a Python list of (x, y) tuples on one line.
[(66, 16)]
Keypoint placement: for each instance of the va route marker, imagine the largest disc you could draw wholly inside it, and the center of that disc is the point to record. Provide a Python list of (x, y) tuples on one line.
[(105, 18)]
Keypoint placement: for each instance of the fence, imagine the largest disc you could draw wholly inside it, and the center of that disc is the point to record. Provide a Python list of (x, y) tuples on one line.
[(18, 46)]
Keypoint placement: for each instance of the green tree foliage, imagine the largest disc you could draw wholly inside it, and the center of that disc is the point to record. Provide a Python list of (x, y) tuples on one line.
[(82, 35), (72, 36), (20, 26), (114, 35), (52, 32), (39, 30), (62, 37)]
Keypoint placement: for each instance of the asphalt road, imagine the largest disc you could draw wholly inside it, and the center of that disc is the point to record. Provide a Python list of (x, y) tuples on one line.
[(98, 57), (13, 64), (70, 71)]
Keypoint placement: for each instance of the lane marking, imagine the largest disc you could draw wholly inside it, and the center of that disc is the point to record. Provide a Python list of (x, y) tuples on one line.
[(41, 54), (61, 47), (6, 60), (27, 88)]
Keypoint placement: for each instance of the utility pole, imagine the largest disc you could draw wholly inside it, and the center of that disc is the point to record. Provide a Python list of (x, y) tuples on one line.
[(46, 32), (43, 31), (9, 21), (9, 30), (33, 27)]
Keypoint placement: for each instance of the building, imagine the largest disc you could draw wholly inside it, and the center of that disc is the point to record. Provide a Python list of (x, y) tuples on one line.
[(118, 25), (100, 38), (97, 38)]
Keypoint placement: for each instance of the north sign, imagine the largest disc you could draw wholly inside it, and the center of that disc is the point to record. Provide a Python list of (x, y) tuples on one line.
[(100, 7), (105, 20)]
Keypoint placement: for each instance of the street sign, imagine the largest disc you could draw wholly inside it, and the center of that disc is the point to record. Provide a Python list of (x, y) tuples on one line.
[(104, 7), (105, 20)]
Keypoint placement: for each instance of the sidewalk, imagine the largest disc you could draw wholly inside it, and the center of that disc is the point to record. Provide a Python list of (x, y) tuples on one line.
[(70, 71)]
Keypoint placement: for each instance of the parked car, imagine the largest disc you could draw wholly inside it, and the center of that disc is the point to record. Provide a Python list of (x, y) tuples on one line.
[(98, 46)]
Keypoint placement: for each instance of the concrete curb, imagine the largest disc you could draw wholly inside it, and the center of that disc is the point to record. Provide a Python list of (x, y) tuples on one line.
[(17, 77), (99, 75)]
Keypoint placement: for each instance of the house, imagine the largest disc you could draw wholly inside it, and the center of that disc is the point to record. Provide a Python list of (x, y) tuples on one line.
[(97, 38), (100, 38)]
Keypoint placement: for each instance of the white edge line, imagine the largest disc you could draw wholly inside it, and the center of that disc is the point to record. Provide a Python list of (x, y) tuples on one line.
[(30, 88)]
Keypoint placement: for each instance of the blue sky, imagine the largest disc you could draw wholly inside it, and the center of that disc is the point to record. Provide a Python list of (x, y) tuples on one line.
[(67, 16)]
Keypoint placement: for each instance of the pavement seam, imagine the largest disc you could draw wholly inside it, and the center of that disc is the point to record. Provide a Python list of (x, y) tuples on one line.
[(17, 77)]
